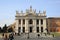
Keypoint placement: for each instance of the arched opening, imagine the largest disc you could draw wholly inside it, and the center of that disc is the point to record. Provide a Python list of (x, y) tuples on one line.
[(30, 29), (41, 29), (19, 29), (23, 29), (30, 21), (37, 29), (41, 21)]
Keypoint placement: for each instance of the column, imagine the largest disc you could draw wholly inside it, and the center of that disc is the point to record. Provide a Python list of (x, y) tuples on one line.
[(39, 25), (44, 25), (26, 26), (21, 26), (34, 23), (16, 28)]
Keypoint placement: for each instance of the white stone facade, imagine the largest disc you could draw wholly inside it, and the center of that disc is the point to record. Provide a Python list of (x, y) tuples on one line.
[(33, 21)]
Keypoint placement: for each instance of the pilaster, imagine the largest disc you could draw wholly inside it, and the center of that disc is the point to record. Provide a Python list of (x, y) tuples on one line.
[(44, 25), (21, 25), (34, 23), (39, 25), (26, 26)]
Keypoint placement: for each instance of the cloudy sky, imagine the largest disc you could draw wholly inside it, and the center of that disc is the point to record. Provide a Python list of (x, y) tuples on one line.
[(8, 8)]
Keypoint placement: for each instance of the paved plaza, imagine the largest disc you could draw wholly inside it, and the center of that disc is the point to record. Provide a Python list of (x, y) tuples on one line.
[(33, 37), (42, 38)]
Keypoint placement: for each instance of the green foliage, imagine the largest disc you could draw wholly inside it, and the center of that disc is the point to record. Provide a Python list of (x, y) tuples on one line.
[(0, 30), (10, 30), (56, 34), (5, 28)]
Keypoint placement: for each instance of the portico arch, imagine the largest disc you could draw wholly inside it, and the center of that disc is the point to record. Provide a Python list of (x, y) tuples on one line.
[(30, 29), (41, 29)]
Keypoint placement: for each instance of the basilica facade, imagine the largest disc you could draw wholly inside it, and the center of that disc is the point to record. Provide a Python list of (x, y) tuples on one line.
[(30, 21)]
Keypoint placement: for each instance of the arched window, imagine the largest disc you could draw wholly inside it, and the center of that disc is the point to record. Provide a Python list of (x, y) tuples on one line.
[(30, 21)]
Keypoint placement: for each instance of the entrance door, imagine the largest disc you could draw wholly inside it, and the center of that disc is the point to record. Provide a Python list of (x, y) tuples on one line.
[(23, 29), (41, 29), (30, 29)]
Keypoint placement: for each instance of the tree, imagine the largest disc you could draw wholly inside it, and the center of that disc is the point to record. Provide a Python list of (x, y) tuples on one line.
[(5, 28), (0, 30), (10, 29)]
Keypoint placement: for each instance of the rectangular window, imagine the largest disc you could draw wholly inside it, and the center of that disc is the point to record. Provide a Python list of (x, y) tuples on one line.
[(23, 21), (19, 21), (37, 21)]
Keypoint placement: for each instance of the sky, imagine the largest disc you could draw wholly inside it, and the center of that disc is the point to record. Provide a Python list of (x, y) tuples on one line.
[(8, 8)]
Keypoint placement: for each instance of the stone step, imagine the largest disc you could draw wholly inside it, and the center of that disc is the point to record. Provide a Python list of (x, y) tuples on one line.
[(33, 35)]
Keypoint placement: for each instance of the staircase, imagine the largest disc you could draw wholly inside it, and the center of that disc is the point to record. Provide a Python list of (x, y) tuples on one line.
[(34, 35)]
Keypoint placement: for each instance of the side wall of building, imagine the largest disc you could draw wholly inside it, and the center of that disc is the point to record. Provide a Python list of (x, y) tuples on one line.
[(53, 24)]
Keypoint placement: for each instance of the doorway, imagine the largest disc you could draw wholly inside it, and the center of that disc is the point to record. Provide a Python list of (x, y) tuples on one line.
[(23, 29), (19, 29), (37, 29), (30, 29), (41, 29)]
